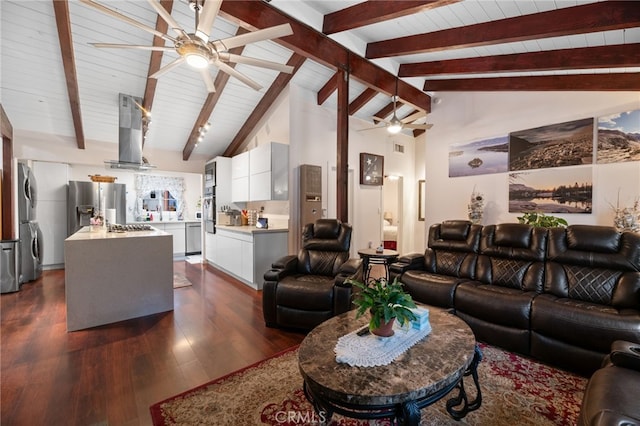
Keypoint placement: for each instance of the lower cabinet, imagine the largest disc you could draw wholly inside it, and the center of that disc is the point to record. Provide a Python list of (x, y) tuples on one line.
[(177, 230), (244, 254)]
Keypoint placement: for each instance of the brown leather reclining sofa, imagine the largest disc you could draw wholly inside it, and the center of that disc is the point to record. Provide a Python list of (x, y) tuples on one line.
[(561, 295)]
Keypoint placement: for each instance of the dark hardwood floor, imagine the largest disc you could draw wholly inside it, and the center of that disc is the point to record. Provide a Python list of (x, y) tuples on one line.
[(110, 375)]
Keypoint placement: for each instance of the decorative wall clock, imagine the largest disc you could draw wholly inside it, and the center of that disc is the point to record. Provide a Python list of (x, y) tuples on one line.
[(371, 169)]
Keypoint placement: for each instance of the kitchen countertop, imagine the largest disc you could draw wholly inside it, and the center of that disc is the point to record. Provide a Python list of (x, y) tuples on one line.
[(246, 229), (100, 233), (151, 222)]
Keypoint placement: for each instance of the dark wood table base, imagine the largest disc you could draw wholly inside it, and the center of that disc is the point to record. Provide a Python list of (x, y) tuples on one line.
[(407, 413)]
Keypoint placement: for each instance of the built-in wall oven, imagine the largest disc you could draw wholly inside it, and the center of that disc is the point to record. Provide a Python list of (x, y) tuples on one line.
[(209, 199)]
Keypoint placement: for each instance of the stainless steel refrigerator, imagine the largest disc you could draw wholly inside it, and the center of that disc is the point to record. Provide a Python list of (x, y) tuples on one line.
[(29, 231), (88, 199)]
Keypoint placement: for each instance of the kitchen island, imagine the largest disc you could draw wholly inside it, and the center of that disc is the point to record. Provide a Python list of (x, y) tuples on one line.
[(114, 276), (246, 252)]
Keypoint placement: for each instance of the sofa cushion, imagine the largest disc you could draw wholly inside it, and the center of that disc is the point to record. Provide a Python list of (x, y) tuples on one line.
[(494, 304), (429, 288), (306, 292), (583, 324)]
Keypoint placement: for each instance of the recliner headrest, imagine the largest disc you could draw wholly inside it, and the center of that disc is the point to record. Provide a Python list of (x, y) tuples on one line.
[(455, 230), (516, 235), (600, 239), (326, 228)]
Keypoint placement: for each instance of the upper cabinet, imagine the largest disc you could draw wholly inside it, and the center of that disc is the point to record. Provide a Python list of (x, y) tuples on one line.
[(269, 172), (240, 177)]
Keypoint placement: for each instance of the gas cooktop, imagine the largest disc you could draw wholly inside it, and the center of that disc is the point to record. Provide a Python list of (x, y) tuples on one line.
[(116, 227)]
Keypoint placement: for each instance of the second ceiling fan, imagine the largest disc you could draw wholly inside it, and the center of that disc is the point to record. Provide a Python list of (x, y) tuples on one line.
[(195, 48)]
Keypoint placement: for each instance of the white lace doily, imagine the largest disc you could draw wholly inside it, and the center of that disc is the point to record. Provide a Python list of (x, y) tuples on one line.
[(371, 351)]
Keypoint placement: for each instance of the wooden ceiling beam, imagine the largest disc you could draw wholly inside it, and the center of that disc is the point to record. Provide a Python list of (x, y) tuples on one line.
[(369, 12), (622, 55), (576, 82), (221, 80), (327, 90), (384, 112), (593, 17), (154, 63), (312, 44), (361, 100), (63, 24), (279, 84)]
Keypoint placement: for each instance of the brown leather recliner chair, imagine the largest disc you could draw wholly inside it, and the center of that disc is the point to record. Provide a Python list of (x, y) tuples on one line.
[(301, 291)]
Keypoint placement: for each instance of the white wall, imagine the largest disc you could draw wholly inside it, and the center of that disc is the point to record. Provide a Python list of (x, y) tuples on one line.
[(313, 140), (465, 117)]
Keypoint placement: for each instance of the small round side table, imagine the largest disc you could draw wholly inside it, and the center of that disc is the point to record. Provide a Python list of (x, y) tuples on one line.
[(373, 257)]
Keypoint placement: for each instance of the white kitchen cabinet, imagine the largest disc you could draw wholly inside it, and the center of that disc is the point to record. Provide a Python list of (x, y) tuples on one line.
[(247, 254), (269, 172), (210, 247), (223, 181), (240, 177), (177, 230)]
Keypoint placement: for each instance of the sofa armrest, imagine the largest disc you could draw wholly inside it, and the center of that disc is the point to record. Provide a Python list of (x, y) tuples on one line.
[(625, 354), (349, 270), (407, 262), (281, 268)]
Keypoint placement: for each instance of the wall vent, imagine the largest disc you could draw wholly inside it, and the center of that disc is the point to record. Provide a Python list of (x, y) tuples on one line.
[(398, 148)]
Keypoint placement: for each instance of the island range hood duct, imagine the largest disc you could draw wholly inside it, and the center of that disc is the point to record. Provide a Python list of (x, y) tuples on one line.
[(129, 135)]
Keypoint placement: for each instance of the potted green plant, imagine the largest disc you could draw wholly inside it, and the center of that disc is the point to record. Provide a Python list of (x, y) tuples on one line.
[(385, 302), (541, 219)]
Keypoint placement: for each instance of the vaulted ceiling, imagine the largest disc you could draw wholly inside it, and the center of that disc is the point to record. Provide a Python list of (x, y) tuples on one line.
[(55, 82)]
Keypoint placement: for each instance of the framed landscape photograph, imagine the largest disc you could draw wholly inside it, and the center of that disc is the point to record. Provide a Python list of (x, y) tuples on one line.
[(619, 137), (566, 190), (556, 145), (479, 157), (371, 169)]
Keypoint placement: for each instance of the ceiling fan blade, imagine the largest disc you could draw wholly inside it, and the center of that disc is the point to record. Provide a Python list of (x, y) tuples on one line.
[(372, 128), (167, 17), (417, 126), (252, 37), (232, 72), (380, 120), (167, 67), (132, 46), (207, 16), (126, 19), (208, 80), (230, 57), (414, 117)]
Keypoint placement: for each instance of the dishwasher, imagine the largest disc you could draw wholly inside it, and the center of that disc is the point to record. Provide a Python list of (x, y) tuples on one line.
[(193, 238)]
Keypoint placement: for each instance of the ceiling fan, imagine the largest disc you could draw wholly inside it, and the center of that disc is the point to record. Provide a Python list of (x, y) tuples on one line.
[(395, 125), (195, 48)]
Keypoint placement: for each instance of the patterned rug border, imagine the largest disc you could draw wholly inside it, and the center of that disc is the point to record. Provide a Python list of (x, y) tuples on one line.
[(549, 408), (156, 410)]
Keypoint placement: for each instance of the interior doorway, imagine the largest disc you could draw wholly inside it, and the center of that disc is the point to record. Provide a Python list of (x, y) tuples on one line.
[(392, 212)]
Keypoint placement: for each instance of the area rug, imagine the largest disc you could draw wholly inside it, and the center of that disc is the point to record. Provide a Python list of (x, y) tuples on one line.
[(180, 280), (515, 391)]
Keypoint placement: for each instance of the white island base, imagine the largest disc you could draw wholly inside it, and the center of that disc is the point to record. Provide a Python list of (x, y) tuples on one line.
[(112, 277)]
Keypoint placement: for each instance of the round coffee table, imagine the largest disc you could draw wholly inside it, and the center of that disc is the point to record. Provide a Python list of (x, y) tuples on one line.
[(424, 374)]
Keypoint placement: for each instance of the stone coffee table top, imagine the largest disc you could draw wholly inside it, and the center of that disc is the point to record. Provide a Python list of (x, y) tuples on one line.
[(430, 366)]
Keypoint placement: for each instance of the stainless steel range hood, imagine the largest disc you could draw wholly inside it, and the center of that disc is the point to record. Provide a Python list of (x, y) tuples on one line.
[(129, 135)]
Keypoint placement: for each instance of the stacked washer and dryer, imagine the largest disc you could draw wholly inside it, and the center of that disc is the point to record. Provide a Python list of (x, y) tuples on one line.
[(30, 234)]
